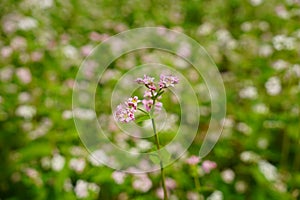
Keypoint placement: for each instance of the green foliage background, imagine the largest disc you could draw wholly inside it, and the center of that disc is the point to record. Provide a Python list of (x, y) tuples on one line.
[(240, 37)]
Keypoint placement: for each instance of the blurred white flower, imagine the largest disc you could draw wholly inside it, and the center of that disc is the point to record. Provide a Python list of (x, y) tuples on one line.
[(77, 164), (46, 162), (205, 29), (24, 75), (282, 12), (27, 23), (170, 183), (256, 2), (57, 162), (282, 42), (263, 25), (67, 114), (193, 196), (6, 73), (86, 50), (6, 51), (18, 43), (228, 175), (249, 92), (273, 86), (246, 26), (41, 130), (241, 186), (98, 157), (184, 50), (280, 65), (244, 128), (24, 97), (70, 52), (143, 144), (118, 177), (268, 170), (81, 189), (280, 186), (260, 108), (249, 157), (296, 70), (34, 175), (84, 114), (26, 111), (142, 183), (216, 195), (262, 143), (265, 50), (44, 4)]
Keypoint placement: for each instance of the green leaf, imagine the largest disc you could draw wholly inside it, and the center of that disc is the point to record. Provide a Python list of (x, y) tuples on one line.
[(142, 118), (154, 158)]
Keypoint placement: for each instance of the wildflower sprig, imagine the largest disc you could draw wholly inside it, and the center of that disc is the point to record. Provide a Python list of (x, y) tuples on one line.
[(125, 112)]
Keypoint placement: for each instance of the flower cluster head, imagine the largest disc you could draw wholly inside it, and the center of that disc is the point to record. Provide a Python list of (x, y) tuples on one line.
[(167, 81), (208, 165), (125, 112), (193, 160)]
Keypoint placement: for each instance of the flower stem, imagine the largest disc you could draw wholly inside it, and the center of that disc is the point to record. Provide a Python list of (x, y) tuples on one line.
[(161, 162), (197, 183), (196, 178)]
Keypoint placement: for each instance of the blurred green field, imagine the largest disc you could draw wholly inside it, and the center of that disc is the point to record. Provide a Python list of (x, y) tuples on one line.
[(254, 43)]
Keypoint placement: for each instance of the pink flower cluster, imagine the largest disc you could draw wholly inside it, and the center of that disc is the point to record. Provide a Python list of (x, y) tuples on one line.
[(125, 112), (207, 165)]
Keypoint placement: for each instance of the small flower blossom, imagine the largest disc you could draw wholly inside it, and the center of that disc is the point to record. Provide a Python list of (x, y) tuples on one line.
[(208, 165), (148, 103), (167, 81), (132, 102), (147, 81), (124, 114), (193, 160), (125, 111), (142, 183)]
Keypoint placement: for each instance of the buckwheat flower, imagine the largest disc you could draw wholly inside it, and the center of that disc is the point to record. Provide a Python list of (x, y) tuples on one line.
[(193, 195), (124, 114), (81, 189), (57, 162), (142, 183), (77, 164), (132, 102), (208, 165), (147, 81), (240, 186), (193, 160), (148, 94), (148, 103), (249, 92), (167, 81), (24, 75), (273, 86), (228, 175), (268, 170), (216, 195), (119, 177), (171, 183)]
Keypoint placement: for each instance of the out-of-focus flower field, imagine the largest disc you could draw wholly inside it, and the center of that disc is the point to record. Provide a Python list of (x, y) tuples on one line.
[(254, 43)]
